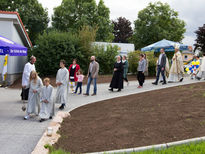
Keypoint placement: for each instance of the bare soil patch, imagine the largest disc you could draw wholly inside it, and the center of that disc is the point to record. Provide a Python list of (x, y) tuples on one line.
[(149, 118)]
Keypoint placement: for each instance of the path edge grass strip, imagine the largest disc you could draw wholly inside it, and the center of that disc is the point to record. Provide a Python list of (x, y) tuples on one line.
[(154, 147)]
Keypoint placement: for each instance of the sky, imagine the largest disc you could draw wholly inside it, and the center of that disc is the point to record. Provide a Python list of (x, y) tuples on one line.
[(191, 11)]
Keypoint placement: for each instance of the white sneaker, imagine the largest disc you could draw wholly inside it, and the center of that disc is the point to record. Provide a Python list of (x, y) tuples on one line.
[(26, 117)]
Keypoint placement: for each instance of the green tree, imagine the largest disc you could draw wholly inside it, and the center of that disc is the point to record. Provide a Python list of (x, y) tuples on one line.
[(33, 15), (105, 27), (122, 30), (72, 15), (200, 41), (156, 22)]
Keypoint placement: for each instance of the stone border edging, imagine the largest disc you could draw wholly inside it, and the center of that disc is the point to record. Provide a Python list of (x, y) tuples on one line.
[(55, 124), (155, 147)]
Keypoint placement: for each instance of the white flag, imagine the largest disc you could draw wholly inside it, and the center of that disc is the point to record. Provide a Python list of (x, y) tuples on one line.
[(4, 72)]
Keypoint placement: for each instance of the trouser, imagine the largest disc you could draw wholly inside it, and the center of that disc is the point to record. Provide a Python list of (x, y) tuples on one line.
[(79, 85), (72, 86), (90, 79), (140, 78), (159, 70), (125, 79), (24, 94)]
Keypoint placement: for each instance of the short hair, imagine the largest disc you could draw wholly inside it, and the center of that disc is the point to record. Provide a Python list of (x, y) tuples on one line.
[(62, 61), (142, 55), (46, 80), (32, 57), (81, 71), (74, 60), (197, 56), (162, 49)]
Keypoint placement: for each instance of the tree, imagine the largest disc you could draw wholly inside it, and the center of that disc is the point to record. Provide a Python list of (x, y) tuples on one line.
[(72, 15), (156, 22), (200, 41), (33, 15), (122, 30), (105, 27)]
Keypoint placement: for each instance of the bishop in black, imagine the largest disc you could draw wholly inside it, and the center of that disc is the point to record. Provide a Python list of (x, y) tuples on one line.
[(117, 79)]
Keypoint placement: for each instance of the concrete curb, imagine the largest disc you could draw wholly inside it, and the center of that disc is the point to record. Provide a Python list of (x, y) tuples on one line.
[(155, 147), (55, 124)]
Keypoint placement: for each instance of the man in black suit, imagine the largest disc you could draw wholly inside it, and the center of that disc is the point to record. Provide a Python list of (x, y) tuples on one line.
[(161, 67)]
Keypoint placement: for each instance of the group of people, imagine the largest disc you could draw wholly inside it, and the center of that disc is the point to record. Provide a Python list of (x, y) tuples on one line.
[(40, 94), (121, 70), (40, 97)]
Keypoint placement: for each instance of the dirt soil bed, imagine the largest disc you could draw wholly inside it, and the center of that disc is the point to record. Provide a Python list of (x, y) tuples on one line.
[(101, 79), (149, 118)]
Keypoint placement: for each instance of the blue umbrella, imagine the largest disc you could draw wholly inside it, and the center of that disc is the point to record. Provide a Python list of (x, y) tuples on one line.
[(166, 44), (11, 48)]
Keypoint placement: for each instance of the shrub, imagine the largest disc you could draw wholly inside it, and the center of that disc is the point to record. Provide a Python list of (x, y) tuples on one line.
[(106, 57), (53, 46)]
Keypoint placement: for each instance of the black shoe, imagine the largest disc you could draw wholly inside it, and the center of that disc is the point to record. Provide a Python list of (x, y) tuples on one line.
[(110, 89), (181, 79), (50, 117), (164, 83), (86, 94), (62, 107), (119, 90), (160, 81), (93, 94), (154, 83), (41, 120)]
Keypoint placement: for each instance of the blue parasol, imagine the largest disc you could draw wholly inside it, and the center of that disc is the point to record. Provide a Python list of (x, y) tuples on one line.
[(166, 44)]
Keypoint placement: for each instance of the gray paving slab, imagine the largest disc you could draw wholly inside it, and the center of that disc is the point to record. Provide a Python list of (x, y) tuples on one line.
[(18, 136)]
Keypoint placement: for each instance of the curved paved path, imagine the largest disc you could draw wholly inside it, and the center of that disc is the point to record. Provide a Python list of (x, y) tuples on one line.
[(20, 137)]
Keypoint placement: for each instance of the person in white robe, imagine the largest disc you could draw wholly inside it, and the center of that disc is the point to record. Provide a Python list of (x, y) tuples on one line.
[(62, 80), (35, 87), (201, 73), (30, 66), (176, 72), (47, 106)]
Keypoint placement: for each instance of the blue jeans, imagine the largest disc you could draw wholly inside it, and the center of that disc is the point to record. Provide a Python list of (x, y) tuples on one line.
[(159, 70), (90, 79)]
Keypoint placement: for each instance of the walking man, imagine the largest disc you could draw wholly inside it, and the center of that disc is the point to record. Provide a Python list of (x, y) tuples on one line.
[(92, 76), (161, 67)]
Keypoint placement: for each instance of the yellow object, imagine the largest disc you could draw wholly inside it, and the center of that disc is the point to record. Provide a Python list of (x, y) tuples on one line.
[(197, 63), (187, 69), (193, 63), (4, 72)]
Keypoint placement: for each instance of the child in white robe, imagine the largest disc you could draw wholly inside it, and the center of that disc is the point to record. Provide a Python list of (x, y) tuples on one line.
[(62, 80), (35, 86), (47, 106)]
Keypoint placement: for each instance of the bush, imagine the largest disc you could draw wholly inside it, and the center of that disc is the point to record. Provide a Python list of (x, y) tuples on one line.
[(133, 58), (106, 57), (53, 46)]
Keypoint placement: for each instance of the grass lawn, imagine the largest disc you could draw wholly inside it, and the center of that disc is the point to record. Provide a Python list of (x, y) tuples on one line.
[(194, 148)]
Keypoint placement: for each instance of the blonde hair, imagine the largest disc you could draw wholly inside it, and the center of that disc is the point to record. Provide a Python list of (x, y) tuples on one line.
[(35, 78), (46, 80)]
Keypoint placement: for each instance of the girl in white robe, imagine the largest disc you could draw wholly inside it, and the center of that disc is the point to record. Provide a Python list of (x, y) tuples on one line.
[(62, 79), (47, 106), (35, 86)]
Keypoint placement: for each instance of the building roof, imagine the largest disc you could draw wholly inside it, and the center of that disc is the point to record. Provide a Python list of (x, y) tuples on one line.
[(19, 25)]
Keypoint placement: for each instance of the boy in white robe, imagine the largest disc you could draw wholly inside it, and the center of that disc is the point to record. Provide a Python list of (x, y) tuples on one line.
[(35, 86), (47, 106), (62, 79)]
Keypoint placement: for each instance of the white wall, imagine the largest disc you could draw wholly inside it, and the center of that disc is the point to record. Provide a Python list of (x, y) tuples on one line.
[(15, 64)]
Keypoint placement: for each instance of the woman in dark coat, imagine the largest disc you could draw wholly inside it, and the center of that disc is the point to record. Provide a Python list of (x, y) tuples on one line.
[(117, 79)]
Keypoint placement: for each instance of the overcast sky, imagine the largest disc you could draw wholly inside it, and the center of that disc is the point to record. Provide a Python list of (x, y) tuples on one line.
[(191, 11)]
